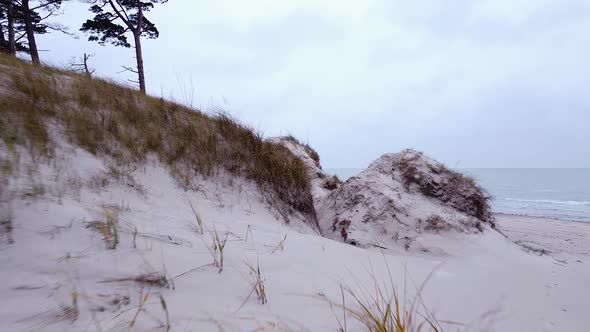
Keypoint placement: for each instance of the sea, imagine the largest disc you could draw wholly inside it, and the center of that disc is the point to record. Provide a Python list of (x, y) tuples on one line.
[(557, 193)]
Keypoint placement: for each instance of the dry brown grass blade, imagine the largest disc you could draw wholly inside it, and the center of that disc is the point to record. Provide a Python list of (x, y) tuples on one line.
[(257, 284), (165, 308), (198, 219), (142, 301), (153, 279)]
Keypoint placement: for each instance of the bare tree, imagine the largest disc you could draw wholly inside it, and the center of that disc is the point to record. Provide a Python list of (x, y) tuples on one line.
[(82, 66)]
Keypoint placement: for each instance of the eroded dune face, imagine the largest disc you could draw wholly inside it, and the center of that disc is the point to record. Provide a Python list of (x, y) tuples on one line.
[(396, 200)]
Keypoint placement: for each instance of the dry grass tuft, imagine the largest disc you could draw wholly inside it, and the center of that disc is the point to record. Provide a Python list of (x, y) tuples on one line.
[(281, 245), (198, 227), (436, 224), (107, 228), (257, 286), (217, 249), (308, 149), (119, 123), (450, 187), (380, 308), (386, 314)]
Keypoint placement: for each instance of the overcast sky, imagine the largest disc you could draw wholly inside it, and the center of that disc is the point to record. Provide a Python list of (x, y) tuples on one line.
[(473, 83)]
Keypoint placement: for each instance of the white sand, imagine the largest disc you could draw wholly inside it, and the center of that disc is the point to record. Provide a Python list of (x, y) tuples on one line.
[(557, 237), (482, 281)]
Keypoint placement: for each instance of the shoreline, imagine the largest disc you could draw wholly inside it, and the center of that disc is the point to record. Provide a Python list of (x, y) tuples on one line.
[(555, 237), (545, 218)]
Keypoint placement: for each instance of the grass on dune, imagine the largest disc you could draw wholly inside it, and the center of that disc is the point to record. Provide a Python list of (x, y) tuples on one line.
[(107, 228), (258, 283), (385, 313), (198, 226), (110, 120), (381, 308), (308, 149), (452, 188)]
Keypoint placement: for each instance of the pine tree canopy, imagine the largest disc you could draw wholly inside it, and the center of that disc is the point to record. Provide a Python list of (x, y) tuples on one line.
[(108, 26)]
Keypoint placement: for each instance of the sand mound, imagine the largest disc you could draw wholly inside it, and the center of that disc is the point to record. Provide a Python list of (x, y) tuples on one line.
[(398, 198)]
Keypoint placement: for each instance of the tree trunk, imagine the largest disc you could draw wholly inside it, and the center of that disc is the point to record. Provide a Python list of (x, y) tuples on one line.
[(11, 41), (3, 44), (30, 33), (138, 53), (139, 58)]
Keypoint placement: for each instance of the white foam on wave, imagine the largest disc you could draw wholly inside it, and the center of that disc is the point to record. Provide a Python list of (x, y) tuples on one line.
[(549, 201)]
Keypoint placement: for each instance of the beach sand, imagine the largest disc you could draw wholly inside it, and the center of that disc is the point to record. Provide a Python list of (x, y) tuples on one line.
[(557, 238), (474, 282)]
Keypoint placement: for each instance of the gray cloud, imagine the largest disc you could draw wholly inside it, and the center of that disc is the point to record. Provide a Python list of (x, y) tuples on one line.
[(487, 83)]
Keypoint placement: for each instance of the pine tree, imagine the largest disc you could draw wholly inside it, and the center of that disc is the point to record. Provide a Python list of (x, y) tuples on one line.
[(13, 31), (7, 41), (115, 19)]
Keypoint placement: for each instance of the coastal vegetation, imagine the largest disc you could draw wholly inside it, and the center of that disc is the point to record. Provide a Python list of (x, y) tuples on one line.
[(40, 104)]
